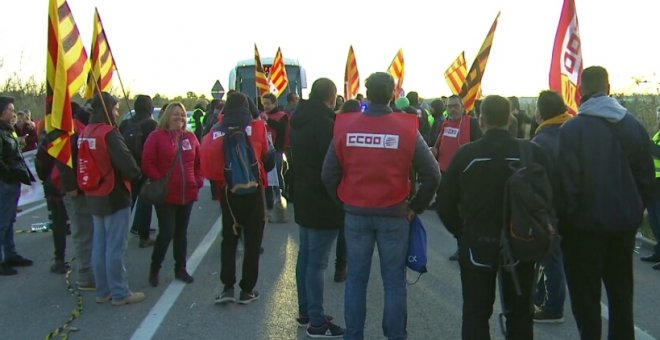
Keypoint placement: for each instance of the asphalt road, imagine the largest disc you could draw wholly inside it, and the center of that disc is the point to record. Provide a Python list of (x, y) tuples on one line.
[(35, 302)]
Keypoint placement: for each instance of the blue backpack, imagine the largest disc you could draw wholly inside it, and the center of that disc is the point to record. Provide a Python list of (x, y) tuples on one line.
[(241, 166), (416, 256)]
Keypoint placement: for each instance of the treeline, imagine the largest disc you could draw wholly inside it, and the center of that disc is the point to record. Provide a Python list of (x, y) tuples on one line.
[(31, 95)]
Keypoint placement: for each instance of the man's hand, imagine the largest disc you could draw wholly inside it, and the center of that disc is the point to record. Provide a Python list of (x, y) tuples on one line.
[(410, 215)]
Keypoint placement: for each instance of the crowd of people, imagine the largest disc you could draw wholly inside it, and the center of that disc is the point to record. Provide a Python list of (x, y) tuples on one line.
[(356, 172)]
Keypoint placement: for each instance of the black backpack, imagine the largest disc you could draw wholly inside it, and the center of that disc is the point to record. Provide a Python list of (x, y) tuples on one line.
[(134, 137), (529, 217)]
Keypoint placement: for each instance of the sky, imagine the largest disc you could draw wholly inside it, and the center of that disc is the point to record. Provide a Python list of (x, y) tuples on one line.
[(171, 47)]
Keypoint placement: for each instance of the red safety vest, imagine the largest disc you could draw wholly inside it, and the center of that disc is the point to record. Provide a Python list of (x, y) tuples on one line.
[(376, 154), (277, 116), (213, 156), (453, 134), (96, 134), (55, 173)]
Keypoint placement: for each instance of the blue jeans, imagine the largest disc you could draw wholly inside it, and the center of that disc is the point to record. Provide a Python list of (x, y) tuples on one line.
[(9, 194), (108, 248), (313, 254), (391, 234), (654, 221), (551, 287)]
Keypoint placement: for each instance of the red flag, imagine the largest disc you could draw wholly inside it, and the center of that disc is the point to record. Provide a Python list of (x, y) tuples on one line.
[(351, 76), (456, 73), (566, 65)]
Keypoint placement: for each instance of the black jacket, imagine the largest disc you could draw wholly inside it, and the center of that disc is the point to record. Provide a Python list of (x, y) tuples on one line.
[(12, 165), (311, 135), (471, 193), (605, 166)]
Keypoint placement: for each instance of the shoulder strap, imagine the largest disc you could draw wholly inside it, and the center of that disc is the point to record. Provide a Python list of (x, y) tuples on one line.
[(176, 159)]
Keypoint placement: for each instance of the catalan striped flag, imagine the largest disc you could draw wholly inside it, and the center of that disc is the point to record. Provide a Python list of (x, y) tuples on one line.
[(262, 82), (397, 70), (351, 76), (103, 63), (278, 78), (472, 87), (66, 68), (566, 65), (455, 74)]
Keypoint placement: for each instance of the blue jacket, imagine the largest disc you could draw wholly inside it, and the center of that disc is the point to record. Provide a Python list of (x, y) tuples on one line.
[(605, 167)]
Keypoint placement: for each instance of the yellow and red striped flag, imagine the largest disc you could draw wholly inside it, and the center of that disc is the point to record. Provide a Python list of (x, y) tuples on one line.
[(66, 68), (351, 76), (472, 87), (455, 74), (278, 79), (566, 65), (103, 63), (397, 70), (262, 82)]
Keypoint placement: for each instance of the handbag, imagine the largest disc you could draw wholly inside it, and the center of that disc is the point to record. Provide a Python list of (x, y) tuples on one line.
[(154, 192)]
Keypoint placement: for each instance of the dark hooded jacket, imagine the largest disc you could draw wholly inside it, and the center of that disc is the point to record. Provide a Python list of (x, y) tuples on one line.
[(122, 161), (605, 166), (311, 135)]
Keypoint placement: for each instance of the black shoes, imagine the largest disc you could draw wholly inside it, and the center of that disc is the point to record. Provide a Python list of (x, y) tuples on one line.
[(6, 270), (59, 267), (18, 261), (656, 266), (153, 278), (651, 258), (246, 297), (146, 243), (340, 273), (182, 275)]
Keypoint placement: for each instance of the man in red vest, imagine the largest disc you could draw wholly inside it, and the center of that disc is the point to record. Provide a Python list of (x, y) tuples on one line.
[(278, 127), (457, 130), (367, 168)]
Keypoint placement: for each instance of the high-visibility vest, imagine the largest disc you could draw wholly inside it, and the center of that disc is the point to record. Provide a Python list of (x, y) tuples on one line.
[(656, 161)]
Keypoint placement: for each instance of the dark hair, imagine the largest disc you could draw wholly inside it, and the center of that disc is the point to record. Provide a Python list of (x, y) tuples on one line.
[(515, 104), (455, 96), (4, 102), (143, 104), (495, 111), (351, 105), (101, 111), (380, 88), (438, 106), (550, 104), (413, 98), (270, 97), (323, 89), (594, 80), (236, 100), (291, 96)]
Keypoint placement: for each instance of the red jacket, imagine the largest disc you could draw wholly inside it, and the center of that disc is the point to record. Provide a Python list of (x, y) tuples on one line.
[(159, 153)]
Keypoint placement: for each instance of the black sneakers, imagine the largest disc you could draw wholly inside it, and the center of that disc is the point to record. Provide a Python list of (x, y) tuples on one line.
[(246, 297), (303, 320), (541, 315), (326, 330), (651, 258), (59, 267), (340, 273)]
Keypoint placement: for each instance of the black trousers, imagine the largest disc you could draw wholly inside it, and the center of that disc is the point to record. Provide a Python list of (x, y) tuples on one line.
[(479, 287), (172, 225), (58, 218), (249, 212), (592, 257)]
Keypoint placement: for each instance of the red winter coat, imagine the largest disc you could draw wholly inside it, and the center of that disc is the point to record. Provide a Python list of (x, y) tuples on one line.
[(159, 153)]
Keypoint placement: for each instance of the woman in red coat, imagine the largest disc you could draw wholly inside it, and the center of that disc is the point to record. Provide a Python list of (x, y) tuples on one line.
[(171, 146)]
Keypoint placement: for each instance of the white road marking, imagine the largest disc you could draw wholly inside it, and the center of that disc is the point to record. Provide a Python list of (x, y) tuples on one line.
[(157, 314), (639, 333), (27, 211)]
